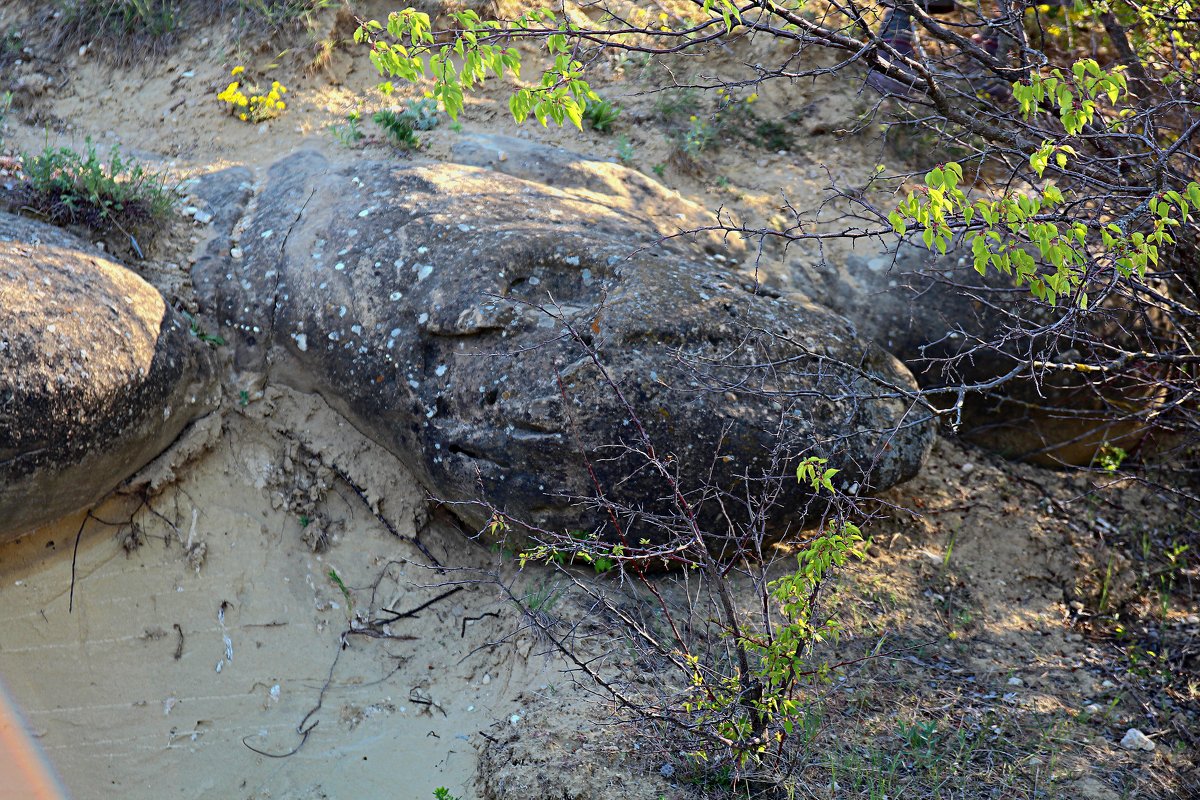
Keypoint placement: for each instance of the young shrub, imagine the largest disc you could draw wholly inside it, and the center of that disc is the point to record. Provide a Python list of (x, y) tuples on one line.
[(119, 199), (401, 126), (601, 115), (350, 134)]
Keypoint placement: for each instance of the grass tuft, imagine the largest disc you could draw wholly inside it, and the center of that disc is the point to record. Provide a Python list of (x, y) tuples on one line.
[(118, 198), (401, 126)]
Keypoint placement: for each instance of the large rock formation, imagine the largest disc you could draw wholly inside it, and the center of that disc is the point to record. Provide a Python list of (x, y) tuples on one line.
[(954, 328), (97, 374), (452, 314)]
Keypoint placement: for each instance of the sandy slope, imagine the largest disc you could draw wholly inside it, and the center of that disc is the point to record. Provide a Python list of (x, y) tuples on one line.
[(168, 670)]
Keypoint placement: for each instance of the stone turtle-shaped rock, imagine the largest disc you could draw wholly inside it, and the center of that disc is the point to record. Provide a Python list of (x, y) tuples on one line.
[(644, 200), (98, 375), (953, 327), (421, 301)]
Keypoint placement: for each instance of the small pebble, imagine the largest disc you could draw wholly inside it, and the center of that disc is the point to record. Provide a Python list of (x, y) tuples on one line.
[(1136, 740), (968, 467), (1015, 681)]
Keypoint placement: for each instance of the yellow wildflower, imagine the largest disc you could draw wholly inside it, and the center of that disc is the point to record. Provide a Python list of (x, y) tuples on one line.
[(242, 117), (237, 70), (752, 98)]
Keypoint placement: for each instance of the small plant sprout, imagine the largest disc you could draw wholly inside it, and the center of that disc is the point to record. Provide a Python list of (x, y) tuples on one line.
[(601, 115), (401, 125), (541, 599), (337, 581), (349, 134), (699, 136), (624, 150), (1110, 457), (210, 339)]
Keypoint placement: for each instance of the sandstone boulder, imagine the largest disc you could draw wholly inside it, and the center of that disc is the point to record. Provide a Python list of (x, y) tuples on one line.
[(953, 327), (98, 375), (451, 314), (645, 201)]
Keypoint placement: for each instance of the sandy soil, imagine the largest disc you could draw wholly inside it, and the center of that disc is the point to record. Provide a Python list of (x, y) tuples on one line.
[(191, 643)]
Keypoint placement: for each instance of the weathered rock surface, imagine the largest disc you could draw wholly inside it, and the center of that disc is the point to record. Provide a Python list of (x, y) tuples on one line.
[(98, 375), (644, 201), (938, 316), (420, 301)]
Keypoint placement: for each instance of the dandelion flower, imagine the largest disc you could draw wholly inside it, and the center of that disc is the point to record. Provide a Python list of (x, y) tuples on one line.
[(237, 70)]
